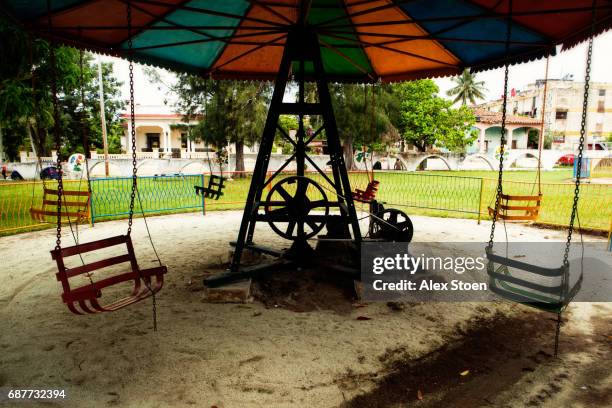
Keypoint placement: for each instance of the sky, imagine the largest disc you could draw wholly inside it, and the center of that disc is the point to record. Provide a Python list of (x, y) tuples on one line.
[(567, 62)]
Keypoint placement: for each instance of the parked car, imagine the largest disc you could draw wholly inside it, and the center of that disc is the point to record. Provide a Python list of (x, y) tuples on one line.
[(567, 160), (49, 173)]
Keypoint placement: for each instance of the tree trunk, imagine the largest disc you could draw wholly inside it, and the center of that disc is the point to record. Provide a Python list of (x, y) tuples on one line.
[(33, 142), (239, 160), (347, 150), (1, 146)]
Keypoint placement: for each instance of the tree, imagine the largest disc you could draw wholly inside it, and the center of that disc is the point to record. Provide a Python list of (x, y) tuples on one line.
[(467, 88), (427, 120), (26, 110), (363, 114), (233, 111)]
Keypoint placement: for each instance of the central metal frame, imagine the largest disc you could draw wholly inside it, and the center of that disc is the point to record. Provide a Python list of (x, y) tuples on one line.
[(302, 50)]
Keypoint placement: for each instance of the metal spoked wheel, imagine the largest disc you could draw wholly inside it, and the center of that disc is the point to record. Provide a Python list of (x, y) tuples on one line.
[(391, 225), (296, 208)]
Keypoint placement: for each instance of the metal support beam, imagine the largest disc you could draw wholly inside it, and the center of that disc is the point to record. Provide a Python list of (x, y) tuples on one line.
[(302, 49)]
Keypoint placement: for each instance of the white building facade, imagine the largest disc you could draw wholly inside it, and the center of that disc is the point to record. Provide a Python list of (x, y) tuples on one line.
[(563, 110), (158, 130)]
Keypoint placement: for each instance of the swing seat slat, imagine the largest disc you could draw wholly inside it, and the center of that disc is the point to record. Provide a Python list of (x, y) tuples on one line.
[(506, 211), (84, 299), (525, 290), (367, 195), (215, 187), (71, 211)]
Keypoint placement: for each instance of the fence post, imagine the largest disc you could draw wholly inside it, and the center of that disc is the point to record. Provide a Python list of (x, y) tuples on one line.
[(610, 238), (91, 205), (480, 200), (203, 202)]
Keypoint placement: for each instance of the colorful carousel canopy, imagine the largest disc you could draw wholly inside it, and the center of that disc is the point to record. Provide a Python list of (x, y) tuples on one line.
[(359, 40)]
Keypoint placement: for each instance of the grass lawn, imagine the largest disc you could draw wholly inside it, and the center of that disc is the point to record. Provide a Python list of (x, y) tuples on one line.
[(436, 193)]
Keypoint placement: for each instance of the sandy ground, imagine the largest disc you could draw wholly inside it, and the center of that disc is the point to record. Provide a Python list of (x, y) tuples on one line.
[(250, 355)]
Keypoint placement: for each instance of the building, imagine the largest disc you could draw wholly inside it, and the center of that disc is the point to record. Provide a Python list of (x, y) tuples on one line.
[(563, 111), (522, 132), (158, 129)]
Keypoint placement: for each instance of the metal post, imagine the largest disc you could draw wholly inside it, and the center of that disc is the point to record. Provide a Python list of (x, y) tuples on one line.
[(480, 200), (610, 238), (92, 215), (103, 118), (203, 202)]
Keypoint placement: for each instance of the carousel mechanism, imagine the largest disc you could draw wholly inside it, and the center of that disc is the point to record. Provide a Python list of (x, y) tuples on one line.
[(297, 207)]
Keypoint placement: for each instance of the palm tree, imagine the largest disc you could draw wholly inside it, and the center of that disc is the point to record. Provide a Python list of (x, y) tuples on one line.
[(467, 88)]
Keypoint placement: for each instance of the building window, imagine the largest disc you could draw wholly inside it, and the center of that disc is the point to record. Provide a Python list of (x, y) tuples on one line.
[(183, 140), (561, 114), (602, 92), (601, 107), (558, 137), (153, 141)]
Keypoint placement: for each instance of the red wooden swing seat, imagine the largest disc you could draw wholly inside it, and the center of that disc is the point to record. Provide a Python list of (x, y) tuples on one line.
[(367, 195), (74, 209), (85, 299)]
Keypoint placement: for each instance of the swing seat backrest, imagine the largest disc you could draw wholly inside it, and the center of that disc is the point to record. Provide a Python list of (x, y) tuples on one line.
[(216, 184), (85, 298), (367, 195), (75, 206), (509, 212), (527, 286)]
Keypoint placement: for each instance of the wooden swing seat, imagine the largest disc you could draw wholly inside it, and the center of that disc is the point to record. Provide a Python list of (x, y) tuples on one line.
[(510, 212), (216, 184), (85, 299), (75, 208), (367, 195), (526, 290)]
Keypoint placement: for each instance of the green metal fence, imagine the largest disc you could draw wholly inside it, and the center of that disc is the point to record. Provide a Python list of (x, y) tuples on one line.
[(110, 197), (419, 193)]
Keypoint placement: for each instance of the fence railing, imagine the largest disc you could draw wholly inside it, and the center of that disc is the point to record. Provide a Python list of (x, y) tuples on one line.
[(419, 193), (110, 197), (17, 198)]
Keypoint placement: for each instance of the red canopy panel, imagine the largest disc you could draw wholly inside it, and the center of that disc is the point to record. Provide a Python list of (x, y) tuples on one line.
[(566, 21), (389, 53), (260, 60), (111, 14)]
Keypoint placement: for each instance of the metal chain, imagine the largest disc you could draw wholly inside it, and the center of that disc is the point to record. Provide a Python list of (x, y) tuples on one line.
[(56, 131), (502, 140), (585, 105), (134, 163), (132, 119)]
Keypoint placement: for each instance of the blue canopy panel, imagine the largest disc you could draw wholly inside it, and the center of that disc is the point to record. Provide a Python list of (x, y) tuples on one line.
[(192, 49), (480, 30)]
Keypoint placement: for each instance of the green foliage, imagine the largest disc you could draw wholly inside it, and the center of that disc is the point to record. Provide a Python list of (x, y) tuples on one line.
[(288, 123), (26, 110), (548, 141), (233, 111), (467, 88), (365, 115), (363, 112), (427, 120)]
